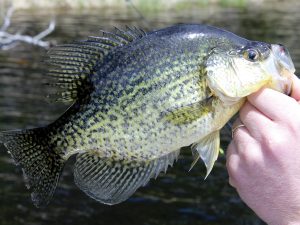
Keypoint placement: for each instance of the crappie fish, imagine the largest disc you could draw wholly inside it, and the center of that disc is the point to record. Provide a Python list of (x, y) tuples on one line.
[(137, 99)]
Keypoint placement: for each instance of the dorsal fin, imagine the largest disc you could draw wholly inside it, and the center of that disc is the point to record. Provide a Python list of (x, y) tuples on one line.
[(71, 64)]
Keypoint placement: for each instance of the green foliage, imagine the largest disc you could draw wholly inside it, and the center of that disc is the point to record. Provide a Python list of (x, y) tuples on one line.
[(145, 6), (233, 3)]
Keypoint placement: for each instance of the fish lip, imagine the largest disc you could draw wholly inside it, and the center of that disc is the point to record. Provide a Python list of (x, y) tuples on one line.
[(285, 65), (287, 82), (288, 88), (284, 57)]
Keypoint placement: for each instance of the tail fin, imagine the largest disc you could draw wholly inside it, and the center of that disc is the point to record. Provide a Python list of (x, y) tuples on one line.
[(41, 164)]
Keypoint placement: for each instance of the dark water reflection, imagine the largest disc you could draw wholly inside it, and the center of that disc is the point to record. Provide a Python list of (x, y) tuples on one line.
[(178, 197)]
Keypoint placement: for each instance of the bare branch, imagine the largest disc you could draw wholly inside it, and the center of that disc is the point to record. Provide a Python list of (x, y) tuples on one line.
[(44, 33), (6, 22), (8, 41)]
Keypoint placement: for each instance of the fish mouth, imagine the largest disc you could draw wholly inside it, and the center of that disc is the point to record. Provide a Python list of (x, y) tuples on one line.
[(283, 56), (288, 88), (285, 81), (285, 66)]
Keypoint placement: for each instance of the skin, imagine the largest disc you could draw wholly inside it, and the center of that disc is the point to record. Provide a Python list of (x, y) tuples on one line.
[(263, 159)]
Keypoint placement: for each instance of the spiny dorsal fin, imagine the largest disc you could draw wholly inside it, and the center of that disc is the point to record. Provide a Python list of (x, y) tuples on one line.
[(72, 64)]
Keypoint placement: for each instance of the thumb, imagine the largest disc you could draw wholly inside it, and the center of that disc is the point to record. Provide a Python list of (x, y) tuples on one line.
[(295, 88)]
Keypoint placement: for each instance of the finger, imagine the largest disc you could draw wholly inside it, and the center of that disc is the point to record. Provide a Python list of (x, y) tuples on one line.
[(232, 182), (295, 88), (231, 149), (232, 162), (244, 142), (236, 124), (271, 103), (239, 131), (255, 121)]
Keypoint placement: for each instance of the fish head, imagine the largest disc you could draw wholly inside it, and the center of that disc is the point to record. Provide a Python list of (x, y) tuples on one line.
[(236, 72)]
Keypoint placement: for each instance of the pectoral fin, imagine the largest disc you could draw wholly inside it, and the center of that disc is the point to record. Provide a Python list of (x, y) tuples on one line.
[(190, 113), (207, 149)]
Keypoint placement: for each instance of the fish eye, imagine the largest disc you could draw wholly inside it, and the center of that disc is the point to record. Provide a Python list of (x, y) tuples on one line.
[(251, 55)]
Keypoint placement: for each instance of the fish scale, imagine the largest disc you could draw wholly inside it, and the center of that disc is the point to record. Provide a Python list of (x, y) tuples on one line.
[(137, 99), (143, 149), (150, 82)]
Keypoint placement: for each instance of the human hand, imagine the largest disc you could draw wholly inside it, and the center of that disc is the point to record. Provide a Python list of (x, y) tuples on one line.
[(263, 159)]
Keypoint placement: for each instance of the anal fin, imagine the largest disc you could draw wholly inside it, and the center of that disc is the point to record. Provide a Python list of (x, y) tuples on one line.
[(111, 181), (208, 150)]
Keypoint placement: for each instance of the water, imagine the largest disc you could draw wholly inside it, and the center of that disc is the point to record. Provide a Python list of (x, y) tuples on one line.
[(179, 197)]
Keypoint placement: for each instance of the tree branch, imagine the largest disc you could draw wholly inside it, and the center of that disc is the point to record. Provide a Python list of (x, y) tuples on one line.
[(8, 41)]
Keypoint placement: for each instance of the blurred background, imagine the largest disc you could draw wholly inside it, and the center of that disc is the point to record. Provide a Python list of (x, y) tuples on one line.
[(28, 28)]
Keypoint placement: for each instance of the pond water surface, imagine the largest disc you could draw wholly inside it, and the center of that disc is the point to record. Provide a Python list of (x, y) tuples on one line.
[(178, 197)]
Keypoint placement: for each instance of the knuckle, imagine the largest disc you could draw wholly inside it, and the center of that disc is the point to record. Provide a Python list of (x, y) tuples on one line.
[(250, 154), (250, 157), (277, 139), (292, 125)]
